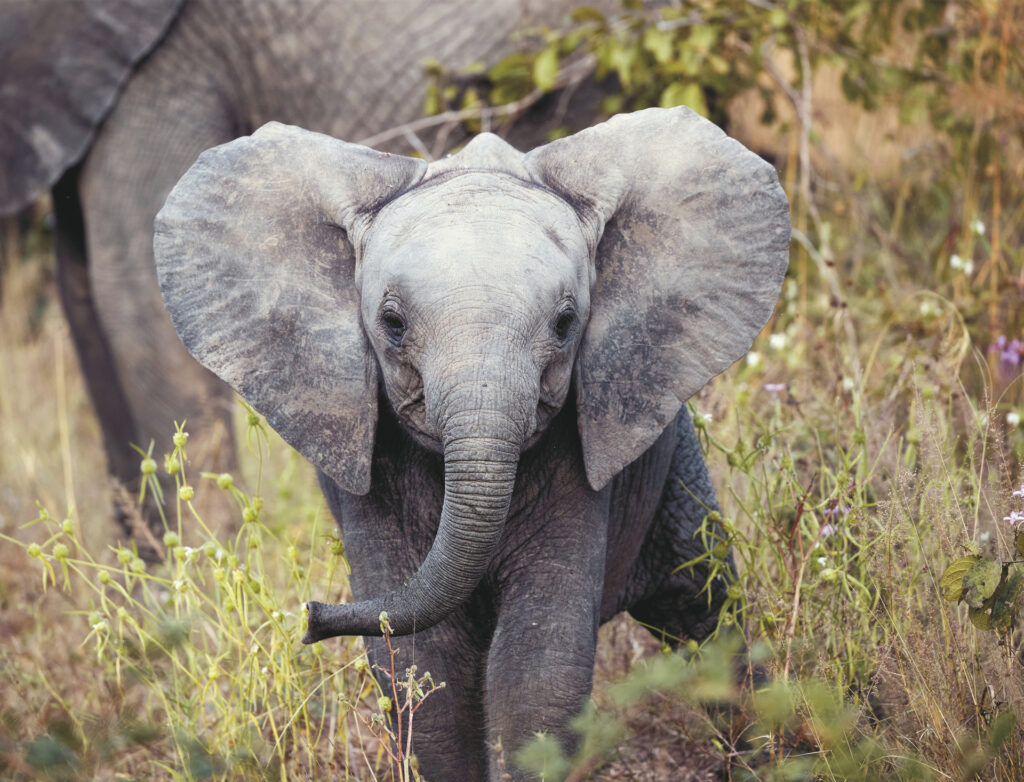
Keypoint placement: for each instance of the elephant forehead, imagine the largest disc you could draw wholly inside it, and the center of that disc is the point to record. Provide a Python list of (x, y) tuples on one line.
[(488, 219)]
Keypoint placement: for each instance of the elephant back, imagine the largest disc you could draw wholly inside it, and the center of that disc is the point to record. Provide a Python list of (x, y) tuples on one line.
[(62, 65)]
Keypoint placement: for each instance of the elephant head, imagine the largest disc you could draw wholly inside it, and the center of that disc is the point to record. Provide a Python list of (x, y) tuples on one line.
[(632, 262)]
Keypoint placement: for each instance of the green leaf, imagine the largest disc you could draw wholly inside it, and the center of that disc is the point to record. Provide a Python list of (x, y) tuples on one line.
[(1005, 601), (585, 13), (658, 43), (432, 104), (1001, 729), (979, 618), (702, 38), (545, 68), (680, 94), (981, 581), (952, 581)]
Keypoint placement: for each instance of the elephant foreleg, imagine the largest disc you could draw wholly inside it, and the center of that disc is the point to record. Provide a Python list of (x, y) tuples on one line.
[(541, 662)]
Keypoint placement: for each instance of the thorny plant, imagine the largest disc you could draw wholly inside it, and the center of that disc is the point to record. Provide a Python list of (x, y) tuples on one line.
[(393, 723), (205, 643)]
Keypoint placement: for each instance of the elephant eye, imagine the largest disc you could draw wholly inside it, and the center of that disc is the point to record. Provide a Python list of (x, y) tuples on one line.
[(394, 327), (564, 325)]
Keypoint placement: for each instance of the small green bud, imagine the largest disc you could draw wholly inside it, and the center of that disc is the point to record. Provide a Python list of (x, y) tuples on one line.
[(137, 566), (212, 673), (338, 548), (293, 553), (361, 665), (148, 466), (104, 577), (122, 613), (255, 587), (179, 439), (693, 646), (860, 437), (94, 617), (248, 515), (734, 592), (714, 517), (384, 704), (232, 560), (180, 552), (225, 481), (124, 556), (787, 462), (181, 586), (257, 504), (171, 539), (219, 574), (253, 542), (186, 493), (237, 576), (35, 550), (60, 551), (829, 574), (67, 527), (229, 605), (253, 419), (172, 465), (721, 550)]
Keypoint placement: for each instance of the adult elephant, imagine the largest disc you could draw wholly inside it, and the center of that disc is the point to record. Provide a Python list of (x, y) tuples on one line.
[(110, 101)]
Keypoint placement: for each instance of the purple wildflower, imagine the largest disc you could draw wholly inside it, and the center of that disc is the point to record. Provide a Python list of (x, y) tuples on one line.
[(1016, 518), (1019, 492), (827, 530), (774, 388), (1009, 351), (833, 510)]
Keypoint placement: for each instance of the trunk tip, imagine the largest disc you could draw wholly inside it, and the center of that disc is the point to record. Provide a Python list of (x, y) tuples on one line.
[(315, 630)]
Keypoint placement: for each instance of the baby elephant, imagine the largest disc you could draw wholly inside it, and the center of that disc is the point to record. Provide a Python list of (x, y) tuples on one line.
[(486, 359)]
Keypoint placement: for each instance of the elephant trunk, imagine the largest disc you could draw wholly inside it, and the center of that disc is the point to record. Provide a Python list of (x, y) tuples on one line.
[(481, 454)]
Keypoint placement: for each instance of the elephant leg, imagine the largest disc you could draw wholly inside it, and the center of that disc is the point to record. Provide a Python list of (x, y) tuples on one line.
[(669, 602), (448, 735), (154, 134), (94, 355), (448, 729), (541, 662)]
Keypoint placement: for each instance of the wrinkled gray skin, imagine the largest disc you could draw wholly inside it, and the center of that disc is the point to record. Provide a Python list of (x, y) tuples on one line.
[(486, 360), (110, 101)]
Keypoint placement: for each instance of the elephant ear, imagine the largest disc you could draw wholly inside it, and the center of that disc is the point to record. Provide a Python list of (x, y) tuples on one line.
[(692, 234), (63, 64), (255, 254)]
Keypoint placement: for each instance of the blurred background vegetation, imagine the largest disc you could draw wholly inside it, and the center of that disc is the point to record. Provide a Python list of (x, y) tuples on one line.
[(872, 436)]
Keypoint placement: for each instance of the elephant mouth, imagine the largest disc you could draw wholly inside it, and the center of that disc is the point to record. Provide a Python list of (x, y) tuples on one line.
[(414, 425)]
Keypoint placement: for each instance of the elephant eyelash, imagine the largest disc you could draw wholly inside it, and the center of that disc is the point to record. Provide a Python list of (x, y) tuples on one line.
[(393, 326), (564, 325)]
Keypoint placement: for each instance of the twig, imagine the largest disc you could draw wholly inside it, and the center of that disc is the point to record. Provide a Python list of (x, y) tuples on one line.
[(572, 73)]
